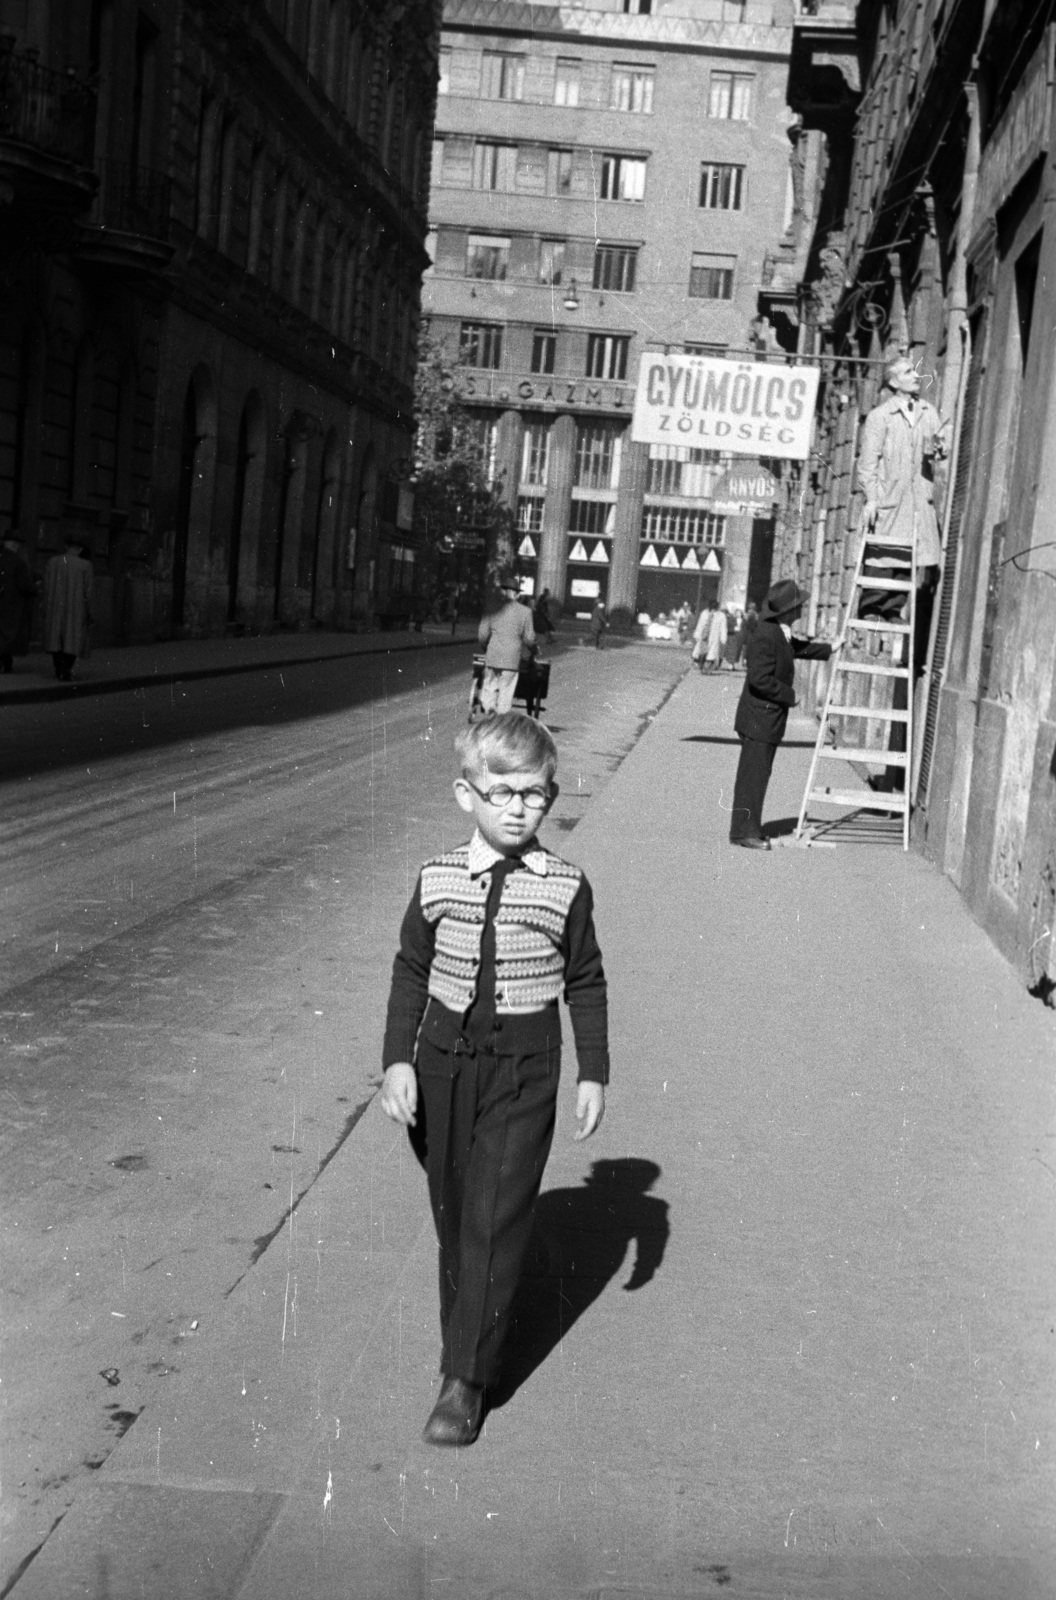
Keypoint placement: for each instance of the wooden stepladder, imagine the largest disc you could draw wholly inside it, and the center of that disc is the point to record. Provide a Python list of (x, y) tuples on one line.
[(870, 685)]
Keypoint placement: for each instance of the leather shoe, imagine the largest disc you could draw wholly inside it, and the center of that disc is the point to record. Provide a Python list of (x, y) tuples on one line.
[(457, 1415), (752, 843)]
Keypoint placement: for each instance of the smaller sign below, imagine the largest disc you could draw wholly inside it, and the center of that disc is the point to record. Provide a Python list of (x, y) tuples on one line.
[(526, 547), (748, 485), (585, 588)]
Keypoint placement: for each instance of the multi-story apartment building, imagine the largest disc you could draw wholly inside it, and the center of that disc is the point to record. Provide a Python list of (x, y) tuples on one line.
[(208, 330), (607, 179), (936, 238)]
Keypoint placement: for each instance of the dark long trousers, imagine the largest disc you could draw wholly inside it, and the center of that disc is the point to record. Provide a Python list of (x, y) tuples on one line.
[(483, 1132), (749, 788)]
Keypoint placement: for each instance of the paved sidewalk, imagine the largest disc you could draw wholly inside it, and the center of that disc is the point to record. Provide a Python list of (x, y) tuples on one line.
[(789, 1325), (138, 666)]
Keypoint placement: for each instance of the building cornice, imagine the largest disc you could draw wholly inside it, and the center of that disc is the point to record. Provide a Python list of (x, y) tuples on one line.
[(520, 18)]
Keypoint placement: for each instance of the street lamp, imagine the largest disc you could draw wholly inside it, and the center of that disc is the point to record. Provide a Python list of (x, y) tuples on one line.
[(571, 298)]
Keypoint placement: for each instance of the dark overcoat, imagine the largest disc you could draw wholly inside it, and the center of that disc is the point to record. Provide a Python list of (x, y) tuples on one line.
[(17, 590), (762, 710)]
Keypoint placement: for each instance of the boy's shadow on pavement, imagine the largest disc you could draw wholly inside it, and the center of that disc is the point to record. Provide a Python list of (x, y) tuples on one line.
[(579, 1242)]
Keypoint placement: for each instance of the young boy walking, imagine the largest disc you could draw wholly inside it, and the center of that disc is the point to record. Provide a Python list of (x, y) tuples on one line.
[(495, 930)]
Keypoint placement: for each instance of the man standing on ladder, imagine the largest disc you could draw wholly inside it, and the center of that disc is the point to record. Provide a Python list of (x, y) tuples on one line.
[(901, 438)]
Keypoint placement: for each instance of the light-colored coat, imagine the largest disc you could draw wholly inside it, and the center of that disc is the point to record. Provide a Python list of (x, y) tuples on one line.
[(68, 604), (507, 633), (717, 634), (894, 470)]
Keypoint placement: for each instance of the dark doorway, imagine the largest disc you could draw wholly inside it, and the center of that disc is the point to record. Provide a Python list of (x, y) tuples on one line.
[(237, 515), (188, 458)]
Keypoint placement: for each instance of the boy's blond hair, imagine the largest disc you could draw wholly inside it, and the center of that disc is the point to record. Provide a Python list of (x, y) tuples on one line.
[(507, 742)]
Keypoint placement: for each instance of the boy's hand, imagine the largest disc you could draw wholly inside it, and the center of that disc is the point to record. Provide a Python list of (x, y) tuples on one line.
[(399, 1093), (590, 1108)]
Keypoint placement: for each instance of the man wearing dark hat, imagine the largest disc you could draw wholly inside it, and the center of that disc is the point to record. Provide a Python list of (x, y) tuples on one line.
[(508, 635), (762, 710)]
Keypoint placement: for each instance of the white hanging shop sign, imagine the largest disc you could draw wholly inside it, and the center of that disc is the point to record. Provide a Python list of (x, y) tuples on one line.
[(746, 408)]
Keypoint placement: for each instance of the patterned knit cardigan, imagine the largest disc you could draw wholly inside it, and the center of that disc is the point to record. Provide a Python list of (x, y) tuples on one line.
[(529, 927)]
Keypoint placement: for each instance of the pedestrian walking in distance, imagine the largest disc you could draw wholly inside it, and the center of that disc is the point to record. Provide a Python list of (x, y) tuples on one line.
[(495, 931), (67, 608), (598, 623), (17, 589), (541, 616), (508, 635), (762, 710), (717, 634), (700, 636)]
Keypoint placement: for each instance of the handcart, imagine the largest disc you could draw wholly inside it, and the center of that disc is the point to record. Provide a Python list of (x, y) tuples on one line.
[(533, 686)]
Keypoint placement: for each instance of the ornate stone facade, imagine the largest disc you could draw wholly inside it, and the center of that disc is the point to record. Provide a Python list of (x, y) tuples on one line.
[(209, 350)]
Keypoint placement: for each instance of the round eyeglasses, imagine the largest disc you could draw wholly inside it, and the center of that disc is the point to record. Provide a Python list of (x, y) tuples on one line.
[(534, 799)]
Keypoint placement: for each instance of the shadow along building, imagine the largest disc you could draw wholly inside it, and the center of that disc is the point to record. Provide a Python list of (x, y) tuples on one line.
[(608, 180), (211, 258), (942, 245)]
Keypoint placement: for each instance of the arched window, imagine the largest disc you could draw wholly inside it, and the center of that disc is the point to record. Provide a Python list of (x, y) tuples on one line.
[(126, 406), (226, 199), (278, 237), (247, 500), (207, 204), (322, 557), (365, 99), (81, 423), (300, 243), (353, 76), (320, 255), (315, 42), (256, 211), (335, 39), (194, 511)]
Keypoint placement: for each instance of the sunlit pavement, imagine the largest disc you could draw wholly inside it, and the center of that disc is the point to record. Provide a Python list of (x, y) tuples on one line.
[(788, 1324)]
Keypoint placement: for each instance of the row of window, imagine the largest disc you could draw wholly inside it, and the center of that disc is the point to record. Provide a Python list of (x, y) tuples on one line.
[(583, 173), (615, 267), (674, 524), (480, 345), (621, 86), (597, 449), (488, 257)]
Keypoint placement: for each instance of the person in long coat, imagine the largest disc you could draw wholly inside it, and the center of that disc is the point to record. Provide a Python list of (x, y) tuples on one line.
[(762, 710), (700, 636), (507, 635), (902, 437), (68, 608), (718, 629), (17, 590)]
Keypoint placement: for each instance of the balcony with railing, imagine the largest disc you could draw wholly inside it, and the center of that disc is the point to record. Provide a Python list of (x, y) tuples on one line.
[(47, 124), (128, 230)]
